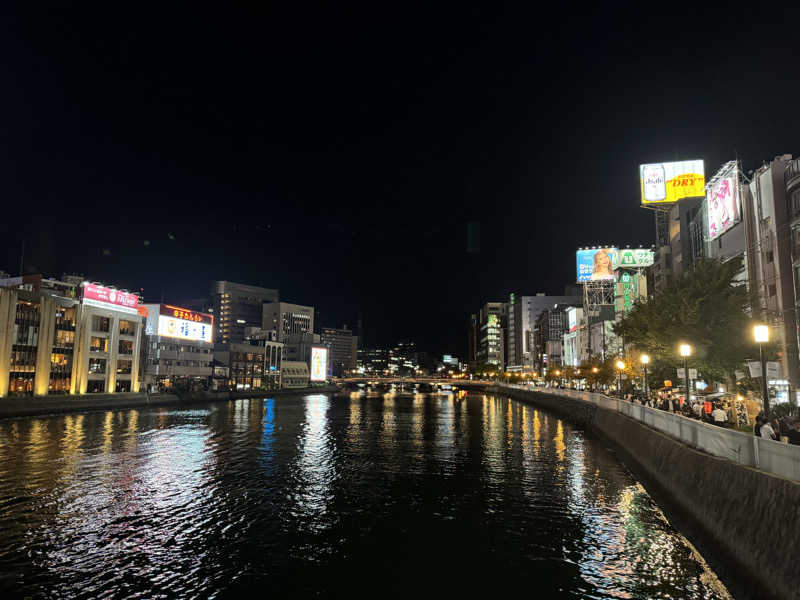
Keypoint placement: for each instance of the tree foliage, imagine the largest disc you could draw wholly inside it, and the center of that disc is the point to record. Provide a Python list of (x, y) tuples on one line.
[(703, 307)]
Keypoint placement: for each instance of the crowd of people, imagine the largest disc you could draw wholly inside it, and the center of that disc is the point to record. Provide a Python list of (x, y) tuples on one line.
[(718, 412)]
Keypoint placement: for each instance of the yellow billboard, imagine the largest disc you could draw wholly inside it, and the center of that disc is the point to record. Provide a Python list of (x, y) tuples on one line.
[(665, 183)]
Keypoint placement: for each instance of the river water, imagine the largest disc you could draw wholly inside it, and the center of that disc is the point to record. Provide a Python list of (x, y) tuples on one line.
[(350, 495)]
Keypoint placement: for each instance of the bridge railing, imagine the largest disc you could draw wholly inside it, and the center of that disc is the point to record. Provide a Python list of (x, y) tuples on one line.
[(746, 449)]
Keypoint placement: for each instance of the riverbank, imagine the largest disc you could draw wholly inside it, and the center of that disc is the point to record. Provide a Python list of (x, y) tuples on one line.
[(25, 406), (744, 521)]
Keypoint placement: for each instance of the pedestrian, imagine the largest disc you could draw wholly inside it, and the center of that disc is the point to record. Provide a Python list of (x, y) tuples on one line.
[(794, 434), (766, 431), (719, 416)]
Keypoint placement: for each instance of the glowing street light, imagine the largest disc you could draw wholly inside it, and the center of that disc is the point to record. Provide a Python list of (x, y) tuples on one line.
[(620, 368), (645, 360), (686, 352), (761, 336)]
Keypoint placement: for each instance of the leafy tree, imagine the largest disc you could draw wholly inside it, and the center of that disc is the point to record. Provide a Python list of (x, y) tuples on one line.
[(703, 307)]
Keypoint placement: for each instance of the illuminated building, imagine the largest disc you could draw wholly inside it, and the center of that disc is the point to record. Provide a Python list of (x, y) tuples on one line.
[(61, 337), (287, 319), (295, 374), (236, 307), (492, 321), (178, 346), (523, 311), (343, 346), (245, 366)]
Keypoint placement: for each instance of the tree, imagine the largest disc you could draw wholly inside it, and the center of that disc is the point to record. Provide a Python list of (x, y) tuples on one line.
[(705, 308)]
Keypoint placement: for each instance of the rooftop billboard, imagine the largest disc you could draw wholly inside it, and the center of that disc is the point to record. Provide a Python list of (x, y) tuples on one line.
[(724, 208), (103, 296), (635, 258), (666, 183), (597, 264), (184, 324)]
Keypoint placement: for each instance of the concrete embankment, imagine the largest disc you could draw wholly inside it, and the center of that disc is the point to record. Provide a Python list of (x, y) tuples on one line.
[(744, 521), (53, 405)]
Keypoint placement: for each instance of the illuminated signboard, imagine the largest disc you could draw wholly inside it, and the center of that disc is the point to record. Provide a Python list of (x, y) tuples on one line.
[(597, 264), (665, 183), (319, 363), (572, 319), (98, 295), (635, 258), (184, 324), (722, 198)]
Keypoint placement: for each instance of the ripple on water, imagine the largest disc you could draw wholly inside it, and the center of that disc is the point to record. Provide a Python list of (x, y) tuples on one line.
[(349, 495)]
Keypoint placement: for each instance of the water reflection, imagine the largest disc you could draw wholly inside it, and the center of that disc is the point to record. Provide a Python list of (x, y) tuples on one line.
[(305, 496)]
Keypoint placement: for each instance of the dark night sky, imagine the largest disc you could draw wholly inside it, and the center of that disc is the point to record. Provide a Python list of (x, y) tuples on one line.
[(339, 153)]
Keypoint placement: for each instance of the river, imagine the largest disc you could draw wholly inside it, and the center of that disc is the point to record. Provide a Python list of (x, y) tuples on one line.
[(358, 494)]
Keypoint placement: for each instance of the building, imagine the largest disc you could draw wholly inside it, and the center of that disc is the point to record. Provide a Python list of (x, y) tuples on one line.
[(343, 347), (178, 346), (770, 215), (373, 361), (68, 338), (549, 330), (236, 307), (492, 321), (248, 365), (523, 312), (295, 374), (287, 319), (472, 339), (403, 359)]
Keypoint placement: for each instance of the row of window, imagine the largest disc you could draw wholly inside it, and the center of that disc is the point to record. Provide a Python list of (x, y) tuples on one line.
[(100, 344), (97, 366), (103, 325)]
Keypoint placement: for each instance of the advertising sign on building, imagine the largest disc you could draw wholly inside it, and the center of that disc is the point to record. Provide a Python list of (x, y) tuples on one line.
[(596, 264), (572, 319), (319, 363), (184, 324), (635, 258), (724, 208), (102, 296), (665, 183)]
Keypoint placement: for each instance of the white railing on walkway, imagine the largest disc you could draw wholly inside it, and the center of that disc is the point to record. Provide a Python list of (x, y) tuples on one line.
[(746, 449)]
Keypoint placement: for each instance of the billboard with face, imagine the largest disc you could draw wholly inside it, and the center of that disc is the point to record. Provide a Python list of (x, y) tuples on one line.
[(597, 264), (722, 198), (665, 183), (319, 363)]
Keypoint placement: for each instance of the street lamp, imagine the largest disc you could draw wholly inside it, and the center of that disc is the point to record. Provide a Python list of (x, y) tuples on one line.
[(645, 359), (686, 352), (620, 367), (761, 335), (594, 384)]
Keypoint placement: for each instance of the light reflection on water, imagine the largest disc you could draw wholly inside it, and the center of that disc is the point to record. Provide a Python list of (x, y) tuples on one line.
[(356, 494)]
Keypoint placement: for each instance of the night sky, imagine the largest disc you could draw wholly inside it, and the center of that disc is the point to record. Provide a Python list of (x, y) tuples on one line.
[(339, 153)]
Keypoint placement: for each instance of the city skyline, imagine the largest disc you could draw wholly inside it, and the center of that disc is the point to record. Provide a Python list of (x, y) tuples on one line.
[(328, 157)]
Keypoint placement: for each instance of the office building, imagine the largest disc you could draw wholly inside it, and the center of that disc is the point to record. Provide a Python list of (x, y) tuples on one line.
[(244, 366), (236, 307), (549, 330), (178, 348), (523, 312), (492, 321), (343, 349)]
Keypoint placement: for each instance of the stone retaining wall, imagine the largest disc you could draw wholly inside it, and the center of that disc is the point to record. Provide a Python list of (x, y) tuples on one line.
[(746, 522)]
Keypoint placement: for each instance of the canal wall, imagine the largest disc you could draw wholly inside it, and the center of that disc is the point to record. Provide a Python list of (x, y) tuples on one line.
[(745, 522), (26, 406)]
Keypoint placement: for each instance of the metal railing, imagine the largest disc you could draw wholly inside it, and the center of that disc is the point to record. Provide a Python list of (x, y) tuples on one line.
[(773, 457)]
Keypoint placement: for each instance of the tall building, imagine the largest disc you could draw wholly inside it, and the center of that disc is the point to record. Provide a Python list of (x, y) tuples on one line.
[(769, 212), (178, 346), (237, 306), (523, 311), (551, 325), (343, 345), (492, 322), (472, 339)]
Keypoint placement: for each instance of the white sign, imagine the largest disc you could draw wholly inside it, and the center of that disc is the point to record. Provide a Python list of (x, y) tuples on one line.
[(185, 330), (773, 370), (319, 363), (692, 373), (722, 199)]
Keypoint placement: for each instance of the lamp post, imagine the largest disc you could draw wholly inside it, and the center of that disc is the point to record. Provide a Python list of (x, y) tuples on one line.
[(686, 352), (594, 385), (761, 335), (645, 359), (620, 368)]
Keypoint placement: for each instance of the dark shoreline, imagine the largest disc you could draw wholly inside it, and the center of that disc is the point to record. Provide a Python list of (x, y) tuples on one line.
[(25, 406)]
